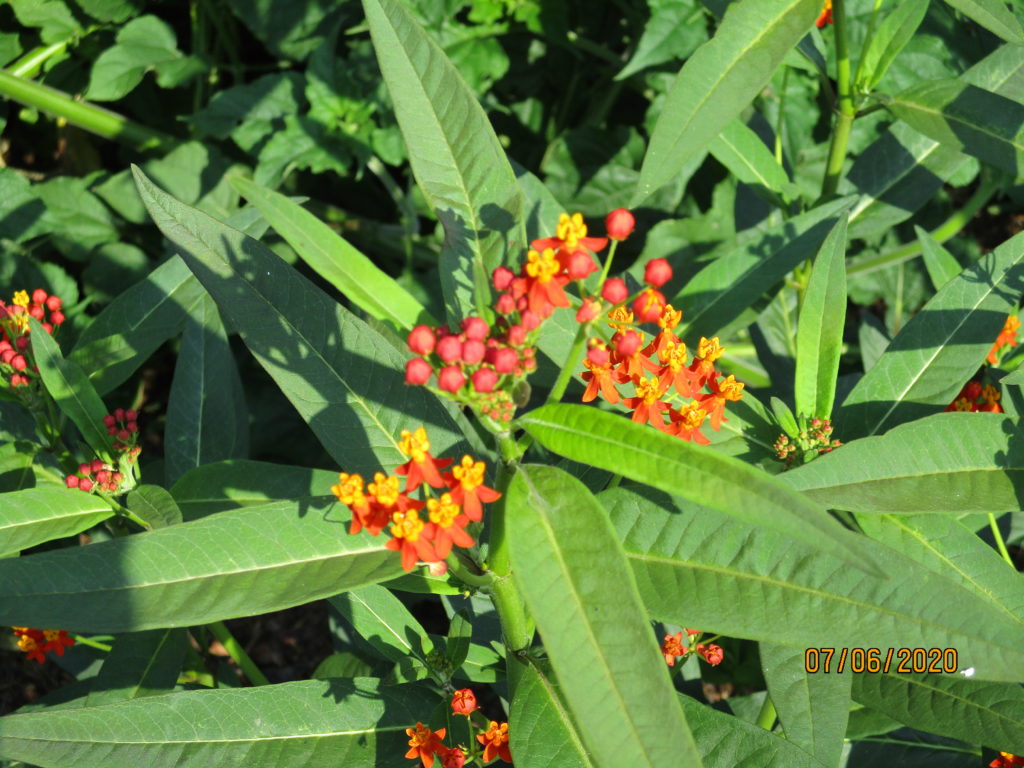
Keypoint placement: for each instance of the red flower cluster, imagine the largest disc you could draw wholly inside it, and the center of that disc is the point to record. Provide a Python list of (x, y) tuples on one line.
[(95, 474), (1006, 338), (381, 503), (810, 442), (123, 426), (1007, 760), (673, 647), (825, 17), (36, 642), (975, 397), (424, 743), (15, 350)]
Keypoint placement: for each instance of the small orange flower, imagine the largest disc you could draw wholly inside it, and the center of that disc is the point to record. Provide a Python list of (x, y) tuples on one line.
[(455, 758), (672, 374), (712, 653), (543, 282), (495, 742), (464, 702), (35, 643), (647, 405), (447, 525), (1007, 760), (570, 238), (599, 378), (825, 17), (421, 467), (1006, 337), (406, 529), (703, 366), (686, 423), (425, 743), (714, 403), (467, 487), (673, 647)]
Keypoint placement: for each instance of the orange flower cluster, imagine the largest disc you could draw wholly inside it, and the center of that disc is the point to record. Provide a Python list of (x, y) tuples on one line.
[(380, 503), (673, 647), (36, 642), (1006, 338), (975, 397), (825, 17), (657, 368), (425, 744), (1007, 760), (15, 349)]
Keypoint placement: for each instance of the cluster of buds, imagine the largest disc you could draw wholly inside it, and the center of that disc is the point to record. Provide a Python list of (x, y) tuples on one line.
[(380, 503), (123, 426), (810, 442), (673, 648), (36, 642), (1006, 338), (424, 743), (1007, 760), (974, 397), (15, 348), (95, 475), (825, 17)]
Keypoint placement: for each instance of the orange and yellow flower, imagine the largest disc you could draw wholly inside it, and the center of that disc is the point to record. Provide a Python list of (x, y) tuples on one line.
[(495, 742), (425, 743)]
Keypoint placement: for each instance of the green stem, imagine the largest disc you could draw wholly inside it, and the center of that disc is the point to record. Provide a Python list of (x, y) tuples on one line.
[(237, 653), (102, 122), (31, 63), (91, 643), (766, 717), (1000, 544), (845, 109), (462, 571)]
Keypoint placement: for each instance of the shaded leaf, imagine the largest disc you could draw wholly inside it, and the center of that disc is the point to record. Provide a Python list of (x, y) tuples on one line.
[(942, 266), (993, 15), (541, 731), (674, 31), (140, 664), (743, 153), (895, 31)]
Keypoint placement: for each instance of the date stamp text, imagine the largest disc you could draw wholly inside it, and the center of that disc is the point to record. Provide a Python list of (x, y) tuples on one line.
[(901, 661)]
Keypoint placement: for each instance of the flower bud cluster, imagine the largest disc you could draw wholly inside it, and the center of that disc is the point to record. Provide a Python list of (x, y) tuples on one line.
[(809, 443), (673, 648), (16, 366), (123, 426), (95, 474), (425, 744), (35, 643), (380, 503), (974, 397)]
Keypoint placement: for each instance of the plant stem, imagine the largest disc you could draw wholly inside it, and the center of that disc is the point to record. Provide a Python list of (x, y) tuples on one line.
[(1000, 544), (29, 65), (845, 109), (237, 653), (102, 122), (766, 717), (462, 572), (92, 643)]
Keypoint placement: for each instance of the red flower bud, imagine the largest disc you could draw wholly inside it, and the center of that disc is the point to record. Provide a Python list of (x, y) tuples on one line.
[(620, 224), (84, 469), (505, 360), (503, 277), (7, 355), (972, 390), (97, 465), (53, 303), (449, 349), (626, 344), (72, 481), (597, 356), (103, 476), (530, 320), (476, 328), (657, 272), (473, 351), (21, 342), (418, 371), (38, 296), (37, 312), (451, 378), (48, 328), (131, 426), (580, 265), (124, 434), (85, 484), (119, 414), (455, 758), (712, 654), (463, 701), (56, 317), (19, 363), (422, 340), (615, 290), (648, 306), (516, 336), (506, 305), (484, 380), (131, 416), (589, 310)]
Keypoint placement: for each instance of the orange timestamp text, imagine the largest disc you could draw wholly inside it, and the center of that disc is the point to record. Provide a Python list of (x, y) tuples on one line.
[(901, 661)]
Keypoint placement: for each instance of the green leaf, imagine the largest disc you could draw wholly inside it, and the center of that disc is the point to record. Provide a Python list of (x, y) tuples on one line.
[(380, 618), (641, 453), (725, 73), (972, 120), (155, 505), (592, 623), (334, 259), (784, 416), (71, 390), (142, 44), (136, 323), (53, 18), (37, 515), (993, 15), (460, 637), (895, 31), (242, 483), (74, 217), (819, 335), (971, 710), (343, 377), (140, 664), (813, 708), (754, 583), (541, 731), (743, 153), (721, 291), (940, 347), (237, 563), (16, 471), (674, 31), (291, 725), (949, 463), (942, 266), (455, 155), (207, 420)]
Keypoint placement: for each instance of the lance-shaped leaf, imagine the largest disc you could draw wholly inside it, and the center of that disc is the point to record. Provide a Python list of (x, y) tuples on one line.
[(942, 266), (70, 388), (334, 259), (895, 31), (969, 119), (243, 483), (994, 16), (722, 290), (948, 463), (541, 731), (743, 153), (136, 323), (140, 664), (970, 710), (592, 623), (612, 442), (697, 567), (207, 419), (813, 708), (36, 515), (291, 725), (939, 348), (236, 563), (344, 378), (819, 335), (455, 155), (719, 80)]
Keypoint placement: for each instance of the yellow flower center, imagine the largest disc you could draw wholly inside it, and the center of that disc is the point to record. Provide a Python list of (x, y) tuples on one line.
[(420, 737), (709, 351), (349, 489), (469, 473), (443, 512), (415, 445), (51, 635), (648, 391), (21, 299), (693, 416), (620, 318), (961, 404), (990, 394), (406, 525), (731, 389), (571, 230), (384, 489), (674, 356), (670, 317), (27, 643), (542, 266)]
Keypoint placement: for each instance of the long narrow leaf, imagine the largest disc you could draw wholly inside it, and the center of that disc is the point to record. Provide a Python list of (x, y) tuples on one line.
[(37, 515), (994, 16)]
